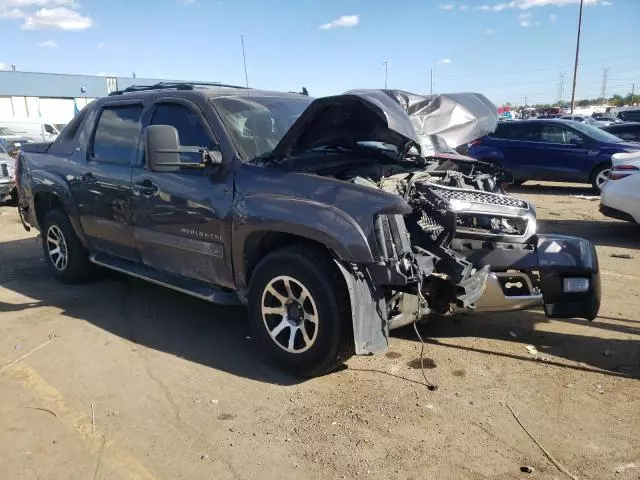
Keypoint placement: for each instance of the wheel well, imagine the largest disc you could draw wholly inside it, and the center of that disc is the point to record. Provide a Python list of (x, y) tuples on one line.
[(260, 244), (44, 203)]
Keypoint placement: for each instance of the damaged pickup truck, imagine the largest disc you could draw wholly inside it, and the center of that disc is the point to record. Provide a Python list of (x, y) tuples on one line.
[(333, 220)]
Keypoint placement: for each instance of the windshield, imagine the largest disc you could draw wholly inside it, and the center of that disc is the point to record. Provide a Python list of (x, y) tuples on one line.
[(2, 149), (596, 133), (256, 124)]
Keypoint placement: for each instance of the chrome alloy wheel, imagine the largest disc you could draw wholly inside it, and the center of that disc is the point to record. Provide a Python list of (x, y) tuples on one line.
[(289, 314), (57, 248), (602, 177)]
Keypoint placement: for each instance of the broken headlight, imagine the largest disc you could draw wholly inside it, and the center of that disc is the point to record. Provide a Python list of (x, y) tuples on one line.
[(491, 224)]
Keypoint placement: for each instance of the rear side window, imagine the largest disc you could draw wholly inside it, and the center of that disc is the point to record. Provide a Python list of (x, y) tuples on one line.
[(518, 131), (117, 134)]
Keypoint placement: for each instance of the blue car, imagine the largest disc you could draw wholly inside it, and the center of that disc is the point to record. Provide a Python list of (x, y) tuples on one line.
[(552, 150)]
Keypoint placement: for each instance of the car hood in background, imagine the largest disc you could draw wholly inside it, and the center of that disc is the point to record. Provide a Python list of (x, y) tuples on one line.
[(433, 123)]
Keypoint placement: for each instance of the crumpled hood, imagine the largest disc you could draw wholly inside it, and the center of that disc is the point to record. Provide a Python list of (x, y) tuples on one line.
[(433, 123), (446, 121)]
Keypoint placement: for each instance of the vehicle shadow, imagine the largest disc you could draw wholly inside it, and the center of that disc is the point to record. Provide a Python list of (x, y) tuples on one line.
[(143, 313), (589, 353), (607, 233), (219, 337)]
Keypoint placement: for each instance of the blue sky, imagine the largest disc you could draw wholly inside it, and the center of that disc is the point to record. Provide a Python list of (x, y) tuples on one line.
[(506, 49)]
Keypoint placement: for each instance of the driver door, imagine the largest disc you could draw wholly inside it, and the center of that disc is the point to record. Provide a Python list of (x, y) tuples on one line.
[(181, 219)]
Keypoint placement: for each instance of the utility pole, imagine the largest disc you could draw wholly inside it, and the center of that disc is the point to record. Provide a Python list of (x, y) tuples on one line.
[(561, 87), (431, 87), (244, 61), (386, 73), (575, 64), (604, 85), (525, 100), (633, 90)]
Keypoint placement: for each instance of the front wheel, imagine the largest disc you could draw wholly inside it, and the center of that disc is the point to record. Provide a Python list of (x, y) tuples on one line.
[(600, 176), (299, 311)]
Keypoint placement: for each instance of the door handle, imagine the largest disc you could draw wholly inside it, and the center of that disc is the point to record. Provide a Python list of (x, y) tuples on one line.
[(89, 178), (147, 187)]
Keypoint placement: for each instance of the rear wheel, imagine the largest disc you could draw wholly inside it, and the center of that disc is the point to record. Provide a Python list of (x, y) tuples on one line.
[(299, 311), (599, 176), (65, 255)]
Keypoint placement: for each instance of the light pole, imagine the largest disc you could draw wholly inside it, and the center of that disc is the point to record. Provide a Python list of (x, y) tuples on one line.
[(386, 73), (575, 65)]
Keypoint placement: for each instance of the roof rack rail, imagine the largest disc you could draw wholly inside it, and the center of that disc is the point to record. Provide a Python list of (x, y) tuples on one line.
[(172, 85)]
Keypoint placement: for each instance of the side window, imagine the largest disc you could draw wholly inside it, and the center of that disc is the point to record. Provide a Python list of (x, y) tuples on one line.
[(527, 132), (190, 129), (501, 132), (49, 129), (552, 134), (117, 134), (572, 137)]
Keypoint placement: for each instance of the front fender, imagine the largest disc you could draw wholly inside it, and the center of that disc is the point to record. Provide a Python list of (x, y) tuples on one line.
[(302, 217)]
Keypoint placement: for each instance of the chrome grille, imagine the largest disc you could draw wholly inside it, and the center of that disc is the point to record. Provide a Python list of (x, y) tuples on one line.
[(479, 197)]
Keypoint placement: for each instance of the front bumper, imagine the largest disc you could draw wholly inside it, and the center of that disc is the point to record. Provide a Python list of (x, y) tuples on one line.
[(555, 261)]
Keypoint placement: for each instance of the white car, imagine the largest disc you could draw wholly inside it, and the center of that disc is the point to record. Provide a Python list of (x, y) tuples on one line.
[(620, 196)]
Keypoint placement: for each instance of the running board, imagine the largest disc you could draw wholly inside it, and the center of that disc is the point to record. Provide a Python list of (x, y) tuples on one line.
[(195, 288)]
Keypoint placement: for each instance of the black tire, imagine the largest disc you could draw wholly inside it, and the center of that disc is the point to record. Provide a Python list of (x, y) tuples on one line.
[(596, 176), (77, 267), (314, 270)]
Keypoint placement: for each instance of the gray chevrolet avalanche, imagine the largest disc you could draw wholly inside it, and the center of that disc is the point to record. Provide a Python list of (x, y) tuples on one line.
[(333, 220)]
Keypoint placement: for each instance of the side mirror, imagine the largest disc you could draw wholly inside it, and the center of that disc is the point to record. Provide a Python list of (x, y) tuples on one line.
[(162, 148), (162, 151)]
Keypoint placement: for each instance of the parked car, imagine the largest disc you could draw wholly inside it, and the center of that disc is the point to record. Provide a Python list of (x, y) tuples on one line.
[(333, 220), (552, 150), (588, 119), (621, 194), (8, 192), (35, 131), (626, 114), (13, 143), (628, 131)]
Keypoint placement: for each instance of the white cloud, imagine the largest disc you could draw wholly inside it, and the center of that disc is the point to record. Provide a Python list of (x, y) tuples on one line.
[(463, 7), (62, 18), (48, 44), (444, 61), (8, 12), (526, 4), (344, 21), (6, 67), (488, 31), (553, 18), (448, 6), (526, 20)]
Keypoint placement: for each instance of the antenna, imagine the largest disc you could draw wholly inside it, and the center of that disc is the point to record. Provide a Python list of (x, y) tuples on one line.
[(244, 60)]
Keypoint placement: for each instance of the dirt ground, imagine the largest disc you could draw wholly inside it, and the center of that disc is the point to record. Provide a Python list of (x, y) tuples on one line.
[(139, 382)]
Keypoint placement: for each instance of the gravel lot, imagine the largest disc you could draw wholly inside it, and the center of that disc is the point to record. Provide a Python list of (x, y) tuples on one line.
[(139, 382)]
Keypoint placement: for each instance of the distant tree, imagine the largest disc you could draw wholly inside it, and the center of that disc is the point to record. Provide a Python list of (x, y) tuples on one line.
[(616, 100), (584, 103)]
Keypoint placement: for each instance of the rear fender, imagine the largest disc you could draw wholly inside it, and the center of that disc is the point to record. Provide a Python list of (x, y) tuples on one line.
[(44, 183)]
